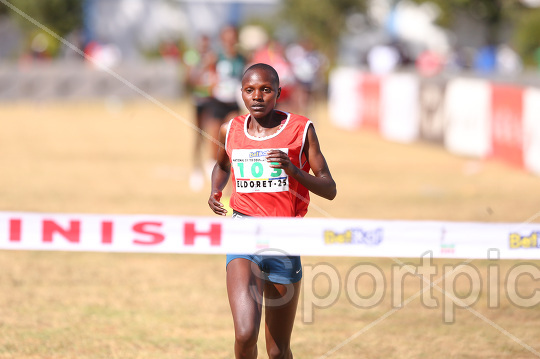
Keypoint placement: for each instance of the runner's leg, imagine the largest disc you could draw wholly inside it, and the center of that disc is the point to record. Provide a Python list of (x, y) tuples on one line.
[(245, 286), (281, 301)]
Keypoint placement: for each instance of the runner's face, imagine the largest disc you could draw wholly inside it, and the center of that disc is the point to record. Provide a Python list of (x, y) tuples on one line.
[(259, 92)]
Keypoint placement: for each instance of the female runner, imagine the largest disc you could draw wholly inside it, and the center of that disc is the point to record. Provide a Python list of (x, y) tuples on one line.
[(270, 154)]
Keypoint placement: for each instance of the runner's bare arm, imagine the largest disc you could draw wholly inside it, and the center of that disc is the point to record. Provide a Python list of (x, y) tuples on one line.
[(321, 183), (220, 174)]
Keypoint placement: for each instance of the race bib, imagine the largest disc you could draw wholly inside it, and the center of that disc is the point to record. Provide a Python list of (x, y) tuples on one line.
[(254, 174)]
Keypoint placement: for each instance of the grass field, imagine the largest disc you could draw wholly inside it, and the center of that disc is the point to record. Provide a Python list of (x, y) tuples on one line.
[(136, 158)]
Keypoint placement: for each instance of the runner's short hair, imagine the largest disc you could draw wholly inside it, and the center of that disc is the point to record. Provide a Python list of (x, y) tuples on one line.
[(267, 68)]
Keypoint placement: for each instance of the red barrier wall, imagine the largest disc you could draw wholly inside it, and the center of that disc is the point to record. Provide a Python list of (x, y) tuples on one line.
[(507, 123), (371, 91)]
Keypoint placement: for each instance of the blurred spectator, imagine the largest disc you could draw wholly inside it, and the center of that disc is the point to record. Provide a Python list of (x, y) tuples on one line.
[(462, 58), (40, 50), (226, 93), (169, 50), (40, 47), (103, 55), (307, 65), (508, 61), (272, 53), (454, 61), (221, 76), (230, 68), (252, 38), (74, 38), (201, 79), (486, 59), (11, 37), (383, 58), (429, 63)]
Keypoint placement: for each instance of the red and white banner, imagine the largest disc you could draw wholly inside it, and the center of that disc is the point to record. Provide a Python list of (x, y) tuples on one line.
[(371, 105), (431, 109), (472, 117), (467, 116), (354, 99), (307, 236), (400, 118), (531, 129), (344, 97), (507, 124)]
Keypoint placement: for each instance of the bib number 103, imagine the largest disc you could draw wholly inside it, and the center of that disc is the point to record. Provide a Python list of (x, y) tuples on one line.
[(253, 172), (257, 170)]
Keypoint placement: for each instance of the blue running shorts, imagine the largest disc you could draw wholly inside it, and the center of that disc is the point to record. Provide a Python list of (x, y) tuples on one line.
[(275, 268)]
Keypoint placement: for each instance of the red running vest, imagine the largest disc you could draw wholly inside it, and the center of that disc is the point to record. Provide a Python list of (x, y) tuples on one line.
[(259, 190)]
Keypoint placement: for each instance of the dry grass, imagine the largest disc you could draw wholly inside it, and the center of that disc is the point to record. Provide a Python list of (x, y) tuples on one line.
[(136, 158)]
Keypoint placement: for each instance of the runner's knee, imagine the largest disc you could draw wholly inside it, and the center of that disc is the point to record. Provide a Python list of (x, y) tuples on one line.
[(276, 351), (246, 336)]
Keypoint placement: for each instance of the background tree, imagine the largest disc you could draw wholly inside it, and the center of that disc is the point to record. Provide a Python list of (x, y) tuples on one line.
[(60, 16), (494, 14), (321, 21), (527, 36), (3, 9), (491, 13)]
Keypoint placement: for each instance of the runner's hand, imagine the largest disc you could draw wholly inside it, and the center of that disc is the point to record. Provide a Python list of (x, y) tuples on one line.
[(216, 205), (281, 160)]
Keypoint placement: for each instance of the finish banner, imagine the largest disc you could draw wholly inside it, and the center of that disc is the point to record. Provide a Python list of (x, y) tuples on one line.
[(293, 236)]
